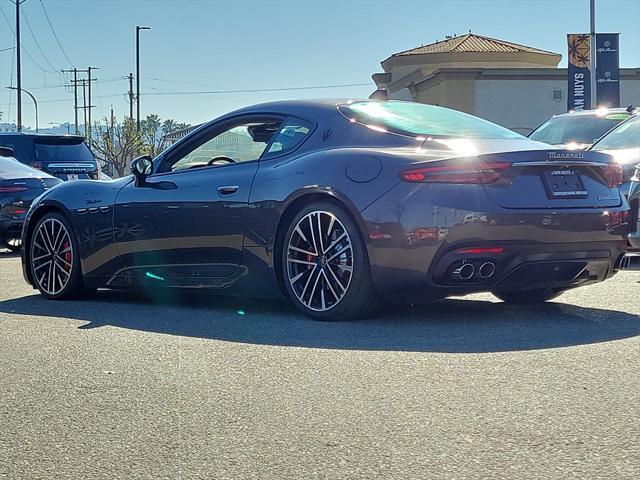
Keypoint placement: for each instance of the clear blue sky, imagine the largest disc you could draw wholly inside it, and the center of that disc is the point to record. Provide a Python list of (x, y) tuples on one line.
[(215, 45)]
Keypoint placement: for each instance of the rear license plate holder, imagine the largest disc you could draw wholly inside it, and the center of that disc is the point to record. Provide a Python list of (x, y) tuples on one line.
[(563, 183)]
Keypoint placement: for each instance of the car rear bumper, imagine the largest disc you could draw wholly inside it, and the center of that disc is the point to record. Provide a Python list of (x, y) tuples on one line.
[(10, 227), (416, 248)]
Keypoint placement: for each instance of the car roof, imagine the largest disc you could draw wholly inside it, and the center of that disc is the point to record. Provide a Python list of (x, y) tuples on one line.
[(598, 111), (37, 135)]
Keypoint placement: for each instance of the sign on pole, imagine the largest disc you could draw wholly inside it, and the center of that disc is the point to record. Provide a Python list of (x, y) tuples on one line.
[(578, 75), (607, 70)]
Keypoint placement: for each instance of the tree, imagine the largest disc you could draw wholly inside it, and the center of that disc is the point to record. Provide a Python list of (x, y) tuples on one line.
[(153, 132), (117, 146)]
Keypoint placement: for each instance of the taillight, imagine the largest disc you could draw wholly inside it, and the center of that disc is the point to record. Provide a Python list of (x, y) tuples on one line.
[(12, 188), (479, 250), (613, 174), (470, 173)]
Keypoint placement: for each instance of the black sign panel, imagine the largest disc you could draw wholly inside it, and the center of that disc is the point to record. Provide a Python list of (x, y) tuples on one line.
[(607, 70)]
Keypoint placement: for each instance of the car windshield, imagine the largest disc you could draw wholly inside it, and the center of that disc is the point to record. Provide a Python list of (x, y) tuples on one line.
[(626, 135), (583, 129), (63, 152), (408, 118), (13, 166)]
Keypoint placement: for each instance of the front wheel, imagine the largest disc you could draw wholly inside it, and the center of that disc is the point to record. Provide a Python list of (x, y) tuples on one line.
[(54, 259), (528, 296), (325, 264)]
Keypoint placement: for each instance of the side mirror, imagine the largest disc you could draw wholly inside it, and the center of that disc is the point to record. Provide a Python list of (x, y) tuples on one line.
[(141, 167), (6, 152)]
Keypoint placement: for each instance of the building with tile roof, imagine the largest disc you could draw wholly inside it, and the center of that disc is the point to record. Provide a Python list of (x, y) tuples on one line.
[(511, 84)]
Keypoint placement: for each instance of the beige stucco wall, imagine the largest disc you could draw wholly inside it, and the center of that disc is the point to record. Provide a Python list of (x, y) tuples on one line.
[(452, 93)]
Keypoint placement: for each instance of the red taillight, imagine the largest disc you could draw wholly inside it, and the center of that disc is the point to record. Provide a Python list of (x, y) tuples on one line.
[(19, 211), (472, 173), (479, 250), (613, 174), (13, 188)]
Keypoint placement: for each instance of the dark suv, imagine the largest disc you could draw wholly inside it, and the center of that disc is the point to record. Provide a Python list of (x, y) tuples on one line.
[(64, 156)]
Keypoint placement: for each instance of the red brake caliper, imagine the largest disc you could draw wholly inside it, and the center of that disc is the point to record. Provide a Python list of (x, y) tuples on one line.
[(68, 255)]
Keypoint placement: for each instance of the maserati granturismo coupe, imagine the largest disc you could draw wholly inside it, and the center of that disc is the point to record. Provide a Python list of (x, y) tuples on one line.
[(338, 205)]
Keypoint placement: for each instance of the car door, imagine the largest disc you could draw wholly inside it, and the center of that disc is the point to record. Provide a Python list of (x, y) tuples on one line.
[(186, 223)]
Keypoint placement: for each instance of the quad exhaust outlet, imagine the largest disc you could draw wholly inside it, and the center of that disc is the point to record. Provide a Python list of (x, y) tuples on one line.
[(487, 270)]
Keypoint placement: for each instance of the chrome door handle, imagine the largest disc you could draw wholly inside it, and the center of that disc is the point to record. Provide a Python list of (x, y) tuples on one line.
[(228, 189)]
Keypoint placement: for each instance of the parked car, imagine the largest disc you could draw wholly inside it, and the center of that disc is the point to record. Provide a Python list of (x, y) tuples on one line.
[(315, 200), (623, 143), (578, 130), (19, 185), (634, 201), (64, 156)]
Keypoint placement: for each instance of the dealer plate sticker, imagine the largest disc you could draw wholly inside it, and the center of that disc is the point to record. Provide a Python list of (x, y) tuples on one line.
[(564, 184)]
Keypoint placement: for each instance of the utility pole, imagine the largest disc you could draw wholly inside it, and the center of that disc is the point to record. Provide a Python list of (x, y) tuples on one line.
[(18, 69), (130, 77), (592, 54), (111, 127), (138, 28), (84, 104), (75, 95), (90, 106)]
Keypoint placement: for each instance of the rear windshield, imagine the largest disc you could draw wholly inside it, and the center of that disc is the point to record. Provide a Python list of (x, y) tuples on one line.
[(626, 135), (410, 118), (48, 152), (584, 129), (12, 166)]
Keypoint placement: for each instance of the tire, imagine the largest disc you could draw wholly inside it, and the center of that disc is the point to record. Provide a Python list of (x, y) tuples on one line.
[(528, 296), (61, 279), (332, 257)]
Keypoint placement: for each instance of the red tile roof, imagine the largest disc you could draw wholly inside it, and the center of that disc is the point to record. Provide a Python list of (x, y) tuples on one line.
[(471, 43)]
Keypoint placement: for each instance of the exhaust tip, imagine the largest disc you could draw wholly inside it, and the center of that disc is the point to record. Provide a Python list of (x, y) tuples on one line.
[(487, 270), (466, 271)]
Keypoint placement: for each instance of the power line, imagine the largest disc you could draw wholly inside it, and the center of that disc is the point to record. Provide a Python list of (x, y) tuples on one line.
[(55, 69), (22, 46), (54, 34), (257, 90), (260, 90), (46, 87)]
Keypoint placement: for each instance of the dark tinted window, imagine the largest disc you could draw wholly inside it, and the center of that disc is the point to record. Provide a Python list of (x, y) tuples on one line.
[(48, 152), (582, 129)]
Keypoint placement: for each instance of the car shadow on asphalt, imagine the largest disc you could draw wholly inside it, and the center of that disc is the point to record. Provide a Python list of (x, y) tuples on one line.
[(452, 325)]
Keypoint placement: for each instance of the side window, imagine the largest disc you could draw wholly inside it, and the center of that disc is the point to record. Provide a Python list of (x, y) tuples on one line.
[(290, 134), (241, 143)]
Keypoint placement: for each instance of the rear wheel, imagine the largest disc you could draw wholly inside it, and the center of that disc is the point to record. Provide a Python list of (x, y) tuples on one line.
[(530, 296), (54, 260), (325, 264)]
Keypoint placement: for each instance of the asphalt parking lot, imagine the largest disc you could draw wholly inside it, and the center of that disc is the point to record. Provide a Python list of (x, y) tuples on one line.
[(201, 387)]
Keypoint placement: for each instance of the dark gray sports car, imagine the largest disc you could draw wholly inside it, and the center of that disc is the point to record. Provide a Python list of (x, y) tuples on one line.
[(338, 205)]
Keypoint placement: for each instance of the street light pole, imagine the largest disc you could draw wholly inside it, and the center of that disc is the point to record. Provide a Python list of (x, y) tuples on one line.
[(18, 69), (138, 28), (592, 54), (35, 103)]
